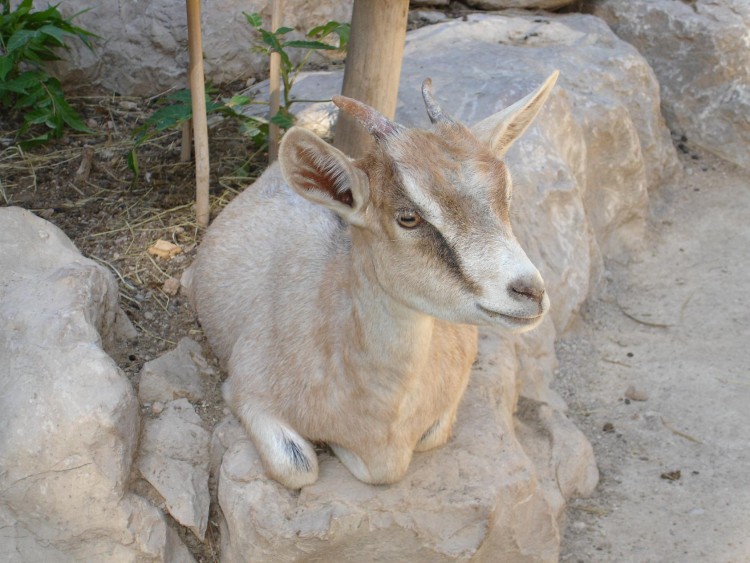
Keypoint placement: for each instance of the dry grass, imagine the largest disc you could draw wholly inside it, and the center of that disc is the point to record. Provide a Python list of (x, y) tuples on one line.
[(82, 184)]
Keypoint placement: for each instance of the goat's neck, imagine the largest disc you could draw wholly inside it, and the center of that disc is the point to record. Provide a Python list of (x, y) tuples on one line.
[(390, 337)]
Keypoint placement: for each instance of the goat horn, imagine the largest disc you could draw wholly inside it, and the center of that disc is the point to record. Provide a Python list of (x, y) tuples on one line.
[(378, 125), (433, 108)]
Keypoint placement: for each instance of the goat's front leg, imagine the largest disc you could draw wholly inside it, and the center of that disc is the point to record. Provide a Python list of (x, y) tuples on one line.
[(287, 457), (439, 433), (387, 465)]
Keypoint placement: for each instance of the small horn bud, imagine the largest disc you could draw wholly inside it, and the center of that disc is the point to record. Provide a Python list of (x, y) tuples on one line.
[(378, 125), (433, 108)]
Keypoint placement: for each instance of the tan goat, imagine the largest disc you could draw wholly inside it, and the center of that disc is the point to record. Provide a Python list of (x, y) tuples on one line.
[(342, 296)]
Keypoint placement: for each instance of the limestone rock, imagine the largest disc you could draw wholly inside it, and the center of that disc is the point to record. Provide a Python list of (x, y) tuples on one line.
[(698, 51), (143, 45), (477, 497), (68, 415), (524, 4), (174, 375), (174, 458)]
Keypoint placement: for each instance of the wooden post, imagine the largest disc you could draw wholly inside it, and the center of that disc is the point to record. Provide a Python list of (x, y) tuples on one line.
[(373, 66), (274, 134), (198, 96)]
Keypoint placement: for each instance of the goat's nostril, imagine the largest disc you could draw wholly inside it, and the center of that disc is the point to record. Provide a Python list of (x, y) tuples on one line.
[(532, 291)]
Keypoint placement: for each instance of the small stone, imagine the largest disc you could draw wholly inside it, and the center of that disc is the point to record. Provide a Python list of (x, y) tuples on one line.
[(164, 249), (635, 394), (171, 286), (157, 407), (672, 475)]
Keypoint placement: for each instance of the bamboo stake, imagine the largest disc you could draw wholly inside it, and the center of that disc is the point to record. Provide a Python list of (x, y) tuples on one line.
[(198, 96), (187, 141), (274, 134), (373, 66)]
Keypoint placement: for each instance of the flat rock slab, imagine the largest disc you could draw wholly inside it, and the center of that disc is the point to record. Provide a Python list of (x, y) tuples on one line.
[(68, 415), (174, 458), (177, 374)]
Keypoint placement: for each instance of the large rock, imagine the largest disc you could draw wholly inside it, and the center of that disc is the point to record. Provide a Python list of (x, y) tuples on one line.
[(68, 416), (477, 497), (143, 45), (174, 458), (699, 52), (175, 375), (582, 177), (525, 4)]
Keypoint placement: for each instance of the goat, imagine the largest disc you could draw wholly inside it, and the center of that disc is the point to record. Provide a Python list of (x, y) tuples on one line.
[(343, 296)]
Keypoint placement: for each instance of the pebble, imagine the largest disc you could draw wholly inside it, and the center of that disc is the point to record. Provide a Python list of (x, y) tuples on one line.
[(635, 394), (171, 286), (157, 407)]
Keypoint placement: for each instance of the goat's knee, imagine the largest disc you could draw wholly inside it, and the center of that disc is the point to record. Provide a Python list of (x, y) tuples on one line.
[(437, 434), (287, 457)]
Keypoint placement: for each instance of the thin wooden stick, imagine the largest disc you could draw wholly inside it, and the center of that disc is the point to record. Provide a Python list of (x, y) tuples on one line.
[(274, 134), (373, 66), (187, 141), (198, 95)]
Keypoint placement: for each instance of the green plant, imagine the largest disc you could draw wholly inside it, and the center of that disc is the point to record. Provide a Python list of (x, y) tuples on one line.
[(275, 42), (179, 110), (28, 40)]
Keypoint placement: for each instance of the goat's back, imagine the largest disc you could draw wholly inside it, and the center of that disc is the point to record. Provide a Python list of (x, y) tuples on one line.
[(263, 258)]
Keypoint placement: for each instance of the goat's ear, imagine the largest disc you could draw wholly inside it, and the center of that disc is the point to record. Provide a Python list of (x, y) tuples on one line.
[(501, 130), (323, 174)]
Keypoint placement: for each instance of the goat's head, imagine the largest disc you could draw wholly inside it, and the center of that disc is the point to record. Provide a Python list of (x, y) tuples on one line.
[(432, 209)]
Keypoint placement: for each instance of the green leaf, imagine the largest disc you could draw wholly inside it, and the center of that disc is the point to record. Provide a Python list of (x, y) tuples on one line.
[(19, 39), (54, 32), (21, 83), (283, 31), (340, 29), (71, 117), (314, 45), (170, 116), (6, 65), (254, 19), (133, 161), (36, 116), (239, 100), (283, 120), (180, 96)]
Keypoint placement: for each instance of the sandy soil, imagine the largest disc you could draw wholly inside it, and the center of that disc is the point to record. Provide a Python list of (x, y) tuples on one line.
[(674, 324)]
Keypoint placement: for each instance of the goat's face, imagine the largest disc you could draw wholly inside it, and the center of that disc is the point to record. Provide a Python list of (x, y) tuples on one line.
[(432, 210), (438, 226)]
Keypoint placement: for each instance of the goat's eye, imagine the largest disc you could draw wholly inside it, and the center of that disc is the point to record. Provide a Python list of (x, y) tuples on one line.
[(409, 219)]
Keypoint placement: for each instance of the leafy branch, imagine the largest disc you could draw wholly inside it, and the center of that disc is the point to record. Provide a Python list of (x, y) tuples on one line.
[(275, 42), (29, 40)]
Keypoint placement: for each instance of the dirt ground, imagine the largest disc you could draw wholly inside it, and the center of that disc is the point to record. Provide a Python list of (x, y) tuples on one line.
[(672, 323), (675, 325)]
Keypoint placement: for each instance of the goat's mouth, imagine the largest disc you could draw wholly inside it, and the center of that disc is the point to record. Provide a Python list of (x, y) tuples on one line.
[(513, 320)]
